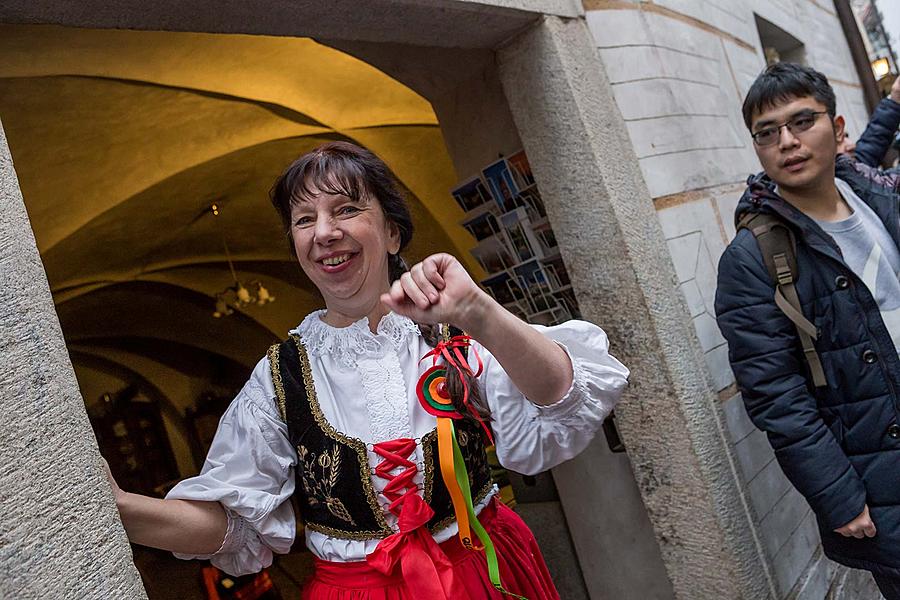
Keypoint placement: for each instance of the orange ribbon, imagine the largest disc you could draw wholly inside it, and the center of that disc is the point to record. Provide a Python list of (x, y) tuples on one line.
[(445, 455)]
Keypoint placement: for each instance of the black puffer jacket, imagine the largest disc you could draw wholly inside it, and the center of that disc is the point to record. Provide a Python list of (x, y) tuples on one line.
[(839, 445)]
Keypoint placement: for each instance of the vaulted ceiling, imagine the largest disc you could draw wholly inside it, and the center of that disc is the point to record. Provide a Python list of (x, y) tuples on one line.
[(122, 139)]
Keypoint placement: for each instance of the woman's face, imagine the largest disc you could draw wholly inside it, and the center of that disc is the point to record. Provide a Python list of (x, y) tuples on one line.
[(343, 246)]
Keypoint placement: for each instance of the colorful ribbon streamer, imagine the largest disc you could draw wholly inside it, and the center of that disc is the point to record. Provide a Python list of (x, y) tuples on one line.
[(435, 399)]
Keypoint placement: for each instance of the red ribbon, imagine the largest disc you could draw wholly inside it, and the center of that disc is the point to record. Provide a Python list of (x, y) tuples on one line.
[(451, 351), (396, 454), (427, 571)]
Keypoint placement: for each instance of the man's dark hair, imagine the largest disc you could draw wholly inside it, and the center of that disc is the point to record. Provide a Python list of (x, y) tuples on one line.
[(784, 82)]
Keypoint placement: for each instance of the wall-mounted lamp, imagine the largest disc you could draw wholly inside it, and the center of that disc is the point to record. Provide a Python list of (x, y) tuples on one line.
[(881, 67)]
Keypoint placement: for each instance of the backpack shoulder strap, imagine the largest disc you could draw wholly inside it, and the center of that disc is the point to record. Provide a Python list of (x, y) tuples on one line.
[(778, 247)]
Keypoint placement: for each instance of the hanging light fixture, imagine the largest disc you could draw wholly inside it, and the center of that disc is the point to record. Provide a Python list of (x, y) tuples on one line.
[(240, 293)]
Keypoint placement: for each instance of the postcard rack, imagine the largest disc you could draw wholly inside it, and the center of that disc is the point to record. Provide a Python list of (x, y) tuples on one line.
[(516, 245)]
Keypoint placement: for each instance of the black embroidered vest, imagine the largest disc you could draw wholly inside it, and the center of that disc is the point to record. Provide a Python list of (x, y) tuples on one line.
[(334, 487)]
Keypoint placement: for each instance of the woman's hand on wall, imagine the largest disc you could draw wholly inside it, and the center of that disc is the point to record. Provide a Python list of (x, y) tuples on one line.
[(117, 491), (185, 526)]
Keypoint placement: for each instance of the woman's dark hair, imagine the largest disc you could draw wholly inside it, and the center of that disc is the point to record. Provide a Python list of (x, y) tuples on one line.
[(342, 168), (784, 82), (345, 169)]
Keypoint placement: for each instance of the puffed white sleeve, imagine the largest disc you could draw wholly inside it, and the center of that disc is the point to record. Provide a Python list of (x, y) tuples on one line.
[(249, 470), (531, 438)]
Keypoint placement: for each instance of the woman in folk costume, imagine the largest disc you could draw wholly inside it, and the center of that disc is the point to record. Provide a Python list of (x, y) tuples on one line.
[(377, 421)]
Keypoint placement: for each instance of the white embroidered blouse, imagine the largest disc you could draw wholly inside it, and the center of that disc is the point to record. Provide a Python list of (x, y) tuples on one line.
[(365, 384)]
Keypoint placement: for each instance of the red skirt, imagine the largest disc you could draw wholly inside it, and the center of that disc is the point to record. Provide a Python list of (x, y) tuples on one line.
[(522, 568)]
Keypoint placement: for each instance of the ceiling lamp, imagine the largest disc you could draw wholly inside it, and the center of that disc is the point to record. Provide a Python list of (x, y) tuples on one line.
[(240, 293)]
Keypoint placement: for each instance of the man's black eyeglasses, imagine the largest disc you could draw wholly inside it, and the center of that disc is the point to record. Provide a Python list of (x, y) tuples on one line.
[(797, 124)]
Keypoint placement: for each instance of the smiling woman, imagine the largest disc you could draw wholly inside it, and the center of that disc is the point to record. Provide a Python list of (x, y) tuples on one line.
[(338, 231), (344, 415)]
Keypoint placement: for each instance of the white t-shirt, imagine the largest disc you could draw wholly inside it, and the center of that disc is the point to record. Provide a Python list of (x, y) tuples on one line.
[(871, 253)]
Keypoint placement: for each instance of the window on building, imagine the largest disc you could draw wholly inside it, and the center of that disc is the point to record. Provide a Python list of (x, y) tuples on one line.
[(777, 44)]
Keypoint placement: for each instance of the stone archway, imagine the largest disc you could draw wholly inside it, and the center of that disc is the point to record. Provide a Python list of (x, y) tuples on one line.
[(561, 105)]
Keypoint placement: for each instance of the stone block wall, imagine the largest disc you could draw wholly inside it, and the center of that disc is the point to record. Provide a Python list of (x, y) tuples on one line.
[(680, 70), (61, 536)]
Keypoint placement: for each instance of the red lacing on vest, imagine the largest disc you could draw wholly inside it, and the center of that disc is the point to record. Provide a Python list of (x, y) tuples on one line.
[(396, 454), (427, 572)]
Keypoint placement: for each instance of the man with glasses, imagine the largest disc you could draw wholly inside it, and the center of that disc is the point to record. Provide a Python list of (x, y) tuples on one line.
[(831, 412)]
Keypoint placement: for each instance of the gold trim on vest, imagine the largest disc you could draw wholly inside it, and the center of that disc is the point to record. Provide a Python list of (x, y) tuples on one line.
[(274, 356), (354, 443)]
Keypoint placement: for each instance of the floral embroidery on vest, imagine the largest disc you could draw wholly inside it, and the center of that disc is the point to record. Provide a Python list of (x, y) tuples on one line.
[(318, 489)]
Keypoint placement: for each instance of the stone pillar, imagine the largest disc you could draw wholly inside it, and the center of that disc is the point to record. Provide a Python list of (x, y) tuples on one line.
[(60, 535), (614, 250)]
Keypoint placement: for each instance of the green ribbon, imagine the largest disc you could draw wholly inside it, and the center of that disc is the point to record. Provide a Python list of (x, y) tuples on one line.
[(490, 553)]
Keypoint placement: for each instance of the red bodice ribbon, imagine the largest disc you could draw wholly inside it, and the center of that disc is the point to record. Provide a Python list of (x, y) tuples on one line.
[(426, 570)]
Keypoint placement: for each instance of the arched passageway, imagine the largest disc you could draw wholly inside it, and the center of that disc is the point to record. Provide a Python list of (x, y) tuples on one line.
[(122, 142)]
